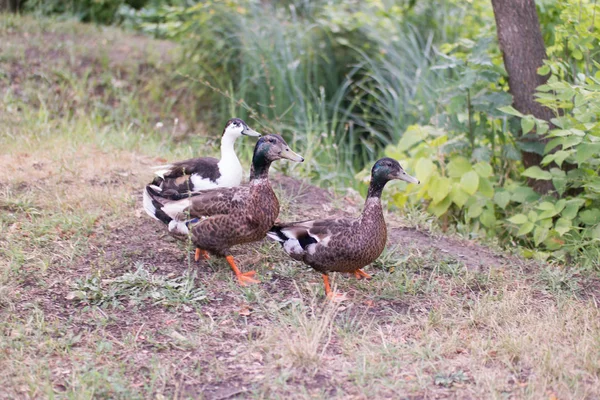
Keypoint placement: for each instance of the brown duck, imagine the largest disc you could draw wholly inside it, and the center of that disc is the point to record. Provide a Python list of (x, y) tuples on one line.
[(220, 218), (343, 244)]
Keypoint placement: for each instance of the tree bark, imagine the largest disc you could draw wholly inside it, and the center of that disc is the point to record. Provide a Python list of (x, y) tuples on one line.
[(9, 5), (523, 51)]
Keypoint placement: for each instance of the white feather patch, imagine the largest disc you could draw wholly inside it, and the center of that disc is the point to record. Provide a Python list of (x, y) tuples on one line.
[(176, 208), (178, 227), (161, 170), (200, 183), (312, 248), (292, 246), (148, 206), (274, 236)]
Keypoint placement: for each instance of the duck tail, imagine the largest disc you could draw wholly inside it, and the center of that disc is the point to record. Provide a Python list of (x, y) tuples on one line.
[(161, 170), (154, 203), (293, 242), (276, 234)]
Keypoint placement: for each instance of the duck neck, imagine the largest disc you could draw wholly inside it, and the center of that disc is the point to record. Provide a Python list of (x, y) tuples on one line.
[(259, 172), (227, 147), (373, 207)]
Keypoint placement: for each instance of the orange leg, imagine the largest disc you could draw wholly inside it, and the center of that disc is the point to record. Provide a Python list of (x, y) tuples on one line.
[(331, 295), (203, 253), (245, 278), (359, 274)]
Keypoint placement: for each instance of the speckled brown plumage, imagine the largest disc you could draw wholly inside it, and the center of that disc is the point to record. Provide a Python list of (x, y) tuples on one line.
[(220, 218), (352, 243), (236, 216), (343, 245)]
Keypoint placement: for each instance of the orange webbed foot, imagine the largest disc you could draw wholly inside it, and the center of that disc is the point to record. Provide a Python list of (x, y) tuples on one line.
[(359, 274), (246, 278), (337, 297), (331, 295), (203, 253)]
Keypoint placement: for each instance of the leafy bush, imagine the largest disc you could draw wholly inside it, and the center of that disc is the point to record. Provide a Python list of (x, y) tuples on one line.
[(96, 11)]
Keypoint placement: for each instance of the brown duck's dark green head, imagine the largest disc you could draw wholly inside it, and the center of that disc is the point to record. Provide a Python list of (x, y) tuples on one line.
[(385, 170), (268, 149)]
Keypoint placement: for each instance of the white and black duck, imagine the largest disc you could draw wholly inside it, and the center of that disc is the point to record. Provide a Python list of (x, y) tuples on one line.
[(206, 172)]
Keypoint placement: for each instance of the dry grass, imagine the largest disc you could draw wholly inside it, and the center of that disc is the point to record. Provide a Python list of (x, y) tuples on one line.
[(95, 301)]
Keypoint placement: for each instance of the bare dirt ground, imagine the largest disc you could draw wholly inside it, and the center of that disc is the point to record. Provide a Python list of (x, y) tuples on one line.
[(97, 301)]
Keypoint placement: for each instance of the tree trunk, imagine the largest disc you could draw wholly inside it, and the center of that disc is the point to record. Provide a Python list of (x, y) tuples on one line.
[(9, 5), (523, 50)]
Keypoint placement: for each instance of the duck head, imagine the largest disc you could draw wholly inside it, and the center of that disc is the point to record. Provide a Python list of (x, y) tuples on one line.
[(268, 149), (387, 169), (272, 147), (236, 127)]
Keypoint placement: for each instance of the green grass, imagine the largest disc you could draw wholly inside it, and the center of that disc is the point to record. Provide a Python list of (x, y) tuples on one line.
[(96, 301)]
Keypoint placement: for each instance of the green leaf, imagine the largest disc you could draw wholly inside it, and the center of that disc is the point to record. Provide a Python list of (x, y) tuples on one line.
[(560, 205), (474, 210), (458, 196), (523, 194), (486, 188), (585, 151), (562, 226), (540, 234), (470, 182), (546, 205), (502, 199), (566, 142), (413, 135), (484, 170), (440, 208), (558, 157), (542, 126), (527, 124), (590, 217), (511, 111), (593, 185), (424, 169), (571, 208), (518, 219), (458, 166), (560, 184), (525, 228), (439, 188), (543, 70), (487, 218), (532, 216), (536, 172), (595, 232)]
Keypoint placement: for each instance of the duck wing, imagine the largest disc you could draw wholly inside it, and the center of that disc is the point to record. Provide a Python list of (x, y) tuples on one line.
[(207, 167), (175, 177), (201, 204)]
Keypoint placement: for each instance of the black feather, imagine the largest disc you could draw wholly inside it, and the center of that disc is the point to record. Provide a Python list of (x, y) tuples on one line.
[(306, 240), (277, 230), (159, 213)]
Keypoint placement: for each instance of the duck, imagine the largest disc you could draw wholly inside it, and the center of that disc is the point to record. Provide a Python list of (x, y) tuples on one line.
[(343, 244), (221, 218), (206, 172)]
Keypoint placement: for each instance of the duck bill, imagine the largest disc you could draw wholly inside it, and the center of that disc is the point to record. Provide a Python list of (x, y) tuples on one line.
[(403, 176), (250, 132), (290, 155)]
